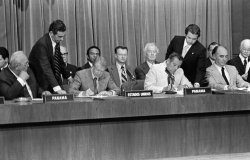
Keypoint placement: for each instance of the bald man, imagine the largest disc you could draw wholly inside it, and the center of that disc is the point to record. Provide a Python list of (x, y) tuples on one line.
[(17, 80), (221, 76), (241, 62)]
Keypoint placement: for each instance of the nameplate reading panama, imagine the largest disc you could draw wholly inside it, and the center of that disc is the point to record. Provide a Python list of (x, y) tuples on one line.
[(194, 91), (139, 93), (58, 97)]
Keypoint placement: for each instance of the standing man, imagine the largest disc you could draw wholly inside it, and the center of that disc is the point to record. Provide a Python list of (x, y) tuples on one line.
[(241, 62), (221, 76), (121, 72), (46, 60), (150, 51), (92, 53), (4, 58), (193, 52)]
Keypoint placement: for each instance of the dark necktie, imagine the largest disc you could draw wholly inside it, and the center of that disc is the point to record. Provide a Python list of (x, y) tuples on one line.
[(245, 65), (95, 85), (123, 75), (224, 75), (57, 63)]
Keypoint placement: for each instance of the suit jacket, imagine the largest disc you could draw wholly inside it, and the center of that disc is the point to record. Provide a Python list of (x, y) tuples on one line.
[(142, 70), (194, 61), (115, 74), (238, 64), (216, 80), (208, 62), (83, 81), (71, 69), (10, 88), (85, 66), (157, 78), (41, 62)]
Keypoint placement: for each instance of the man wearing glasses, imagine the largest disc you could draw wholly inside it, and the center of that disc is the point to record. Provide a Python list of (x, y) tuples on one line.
[(241, 62)]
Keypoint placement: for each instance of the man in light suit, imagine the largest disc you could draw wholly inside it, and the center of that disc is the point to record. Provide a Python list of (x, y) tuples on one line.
[(150, 51), (121, 72), (167, 75), (18, 80), (221, 76), (241, 62), (94, 80), (193, 52), (42, 60)]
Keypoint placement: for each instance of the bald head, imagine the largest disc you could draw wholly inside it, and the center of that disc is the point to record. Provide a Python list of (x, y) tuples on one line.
[(221, 56), (64, 52), (19, 61), (245, 48)]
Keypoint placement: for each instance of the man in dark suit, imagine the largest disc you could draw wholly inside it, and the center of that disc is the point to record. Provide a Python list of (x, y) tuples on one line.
[(46, 60), (193, 52), (120, 71), (71, 69), (210, 58), (4, 58), (150, 51), (94, 81), (18, 80), (221, 76), (241, 62), (92, 53)]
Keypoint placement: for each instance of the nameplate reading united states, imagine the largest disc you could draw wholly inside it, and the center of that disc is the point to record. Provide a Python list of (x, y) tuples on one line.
[(195, 91), (2, 100), (139, 93), (58, 97)]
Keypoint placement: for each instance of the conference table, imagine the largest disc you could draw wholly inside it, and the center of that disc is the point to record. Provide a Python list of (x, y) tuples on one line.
[(123, 128)]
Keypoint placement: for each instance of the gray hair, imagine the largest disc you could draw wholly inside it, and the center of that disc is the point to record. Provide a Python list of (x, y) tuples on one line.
[(148, 45), (245, 42), (16, 59)]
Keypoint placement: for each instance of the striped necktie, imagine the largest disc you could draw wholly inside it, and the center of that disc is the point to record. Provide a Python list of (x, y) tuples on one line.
[(57, 63), (123, 75)]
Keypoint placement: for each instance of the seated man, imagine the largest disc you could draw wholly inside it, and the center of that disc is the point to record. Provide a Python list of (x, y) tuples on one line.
[(150, 51), (210, 58), (221, 76), (71, 69), (18, 80), (167, 75), (4, 58), (92, 53), (94, 80)]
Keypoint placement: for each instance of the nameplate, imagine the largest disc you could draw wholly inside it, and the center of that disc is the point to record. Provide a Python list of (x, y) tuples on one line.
[(2, 99), (58, 98), (139, 93), (195, 91)]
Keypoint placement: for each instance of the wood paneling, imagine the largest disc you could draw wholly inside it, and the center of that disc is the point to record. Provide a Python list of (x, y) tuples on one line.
[(127, 129)]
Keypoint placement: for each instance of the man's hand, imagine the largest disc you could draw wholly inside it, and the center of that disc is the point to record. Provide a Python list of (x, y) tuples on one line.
[(61, 92), (70, 79), (196, 85), (230, 87), (24, 75), (169, 88), (89, 92)]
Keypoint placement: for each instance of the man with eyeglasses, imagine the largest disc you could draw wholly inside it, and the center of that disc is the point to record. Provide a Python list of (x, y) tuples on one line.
[(193, 52), (92, 53), (17, 80), (241, 62), (71, 69)]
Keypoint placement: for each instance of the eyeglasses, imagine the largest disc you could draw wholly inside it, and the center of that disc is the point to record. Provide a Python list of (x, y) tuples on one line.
[(245, 51), (66, 53)]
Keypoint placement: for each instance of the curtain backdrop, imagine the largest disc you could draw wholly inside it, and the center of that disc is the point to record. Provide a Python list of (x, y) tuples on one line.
[(108, 23)]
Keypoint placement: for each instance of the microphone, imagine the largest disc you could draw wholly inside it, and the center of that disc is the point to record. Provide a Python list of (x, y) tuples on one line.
[(171, 78), (130, 75)]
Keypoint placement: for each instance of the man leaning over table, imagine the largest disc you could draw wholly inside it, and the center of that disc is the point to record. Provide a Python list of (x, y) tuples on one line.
[(167, 76), (221, 76), (94, 81)]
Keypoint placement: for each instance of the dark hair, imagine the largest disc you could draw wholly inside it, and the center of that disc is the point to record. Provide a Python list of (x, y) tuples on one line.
[(4, 52), (92, 48), (56, 26), (215, 49), (120, 47), (212, 44), (175, 55), (194, 29)]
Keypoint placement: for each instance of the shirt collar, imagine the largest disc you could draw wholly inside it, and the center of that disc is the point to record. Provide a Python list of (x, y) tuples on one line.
[(242, 58), (186, 44), (119, 66), (150, 64), (53, 43)]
